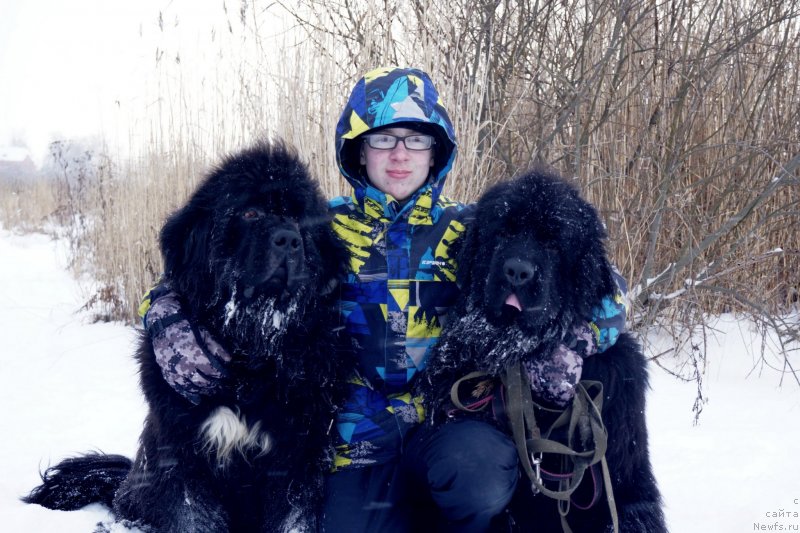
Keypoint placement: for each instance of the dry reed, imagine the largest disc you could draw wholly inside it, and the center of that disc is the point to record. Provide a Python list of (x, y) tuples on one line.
[(679, 120)]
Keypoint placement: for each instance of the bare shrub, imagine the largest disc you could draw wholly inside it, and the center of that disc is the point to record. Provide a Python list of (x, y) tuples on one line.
[(679, 120)]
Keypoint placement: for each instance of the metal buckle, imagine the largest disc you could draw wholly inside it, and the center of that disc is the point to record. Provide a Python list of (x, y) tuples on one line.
[(537, 470)]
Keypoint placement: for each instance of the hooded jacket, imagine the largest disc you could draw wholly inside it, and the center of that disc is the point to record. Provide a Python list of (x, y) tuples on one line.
[(402, 278)]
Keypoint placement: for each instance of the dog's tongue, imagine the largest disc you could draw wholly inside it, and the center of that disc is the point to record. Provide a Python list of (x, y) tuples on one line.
[(513, 301)]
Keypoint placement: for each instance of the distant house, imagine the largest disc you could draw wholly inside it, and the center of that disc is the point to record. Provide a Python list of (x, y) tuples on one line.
[(16, 163)]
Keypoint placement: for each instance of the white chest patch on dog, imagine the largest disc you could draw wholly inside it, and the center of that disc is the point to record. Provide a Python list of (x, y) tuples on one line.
[(226, 432)]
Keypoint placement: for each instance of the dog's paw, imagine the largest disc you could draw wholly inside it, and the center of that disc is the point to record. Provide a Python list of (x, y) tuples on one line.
[(641, 517), (120, 526)]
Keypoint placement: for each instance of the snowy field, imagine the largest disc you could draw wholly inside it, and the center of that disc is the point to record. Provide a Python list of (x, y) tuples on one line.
[(68, 386)]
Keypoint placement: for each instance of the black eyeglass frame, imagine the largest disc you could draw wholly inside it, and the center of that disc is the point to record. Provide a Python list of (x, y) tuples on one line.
[(397, 138)]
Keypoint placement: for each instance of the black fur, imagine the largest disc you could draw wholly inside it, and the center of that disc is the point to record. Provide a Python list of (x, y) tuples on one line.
[(254, 258), (100, 475), (541, 222)]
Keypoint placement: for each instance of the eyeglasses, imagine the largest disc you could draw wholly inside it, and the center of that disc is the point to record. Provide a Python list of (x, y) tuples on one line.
[(387, 141)]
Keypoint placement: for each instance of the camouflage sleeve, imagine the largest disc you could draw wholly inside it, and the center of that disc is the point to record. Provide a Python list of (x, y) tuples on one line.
[(553, 379), (608, 319), (191, 361)]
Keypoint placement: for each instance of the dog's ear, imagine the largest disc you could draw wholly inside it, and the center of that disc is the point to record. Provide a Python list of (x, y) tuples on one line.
[(464, 251), (184, 247), (336, 259), (594, 265)]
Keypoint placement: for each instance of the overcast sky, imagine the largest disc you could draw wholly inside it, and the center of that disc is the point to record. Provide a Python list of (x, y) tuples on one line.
[(70, 68)]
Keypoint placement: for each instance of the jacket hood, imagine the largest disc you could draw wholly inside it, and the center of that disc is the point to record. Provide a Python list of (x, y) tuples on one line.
[(393, 97)]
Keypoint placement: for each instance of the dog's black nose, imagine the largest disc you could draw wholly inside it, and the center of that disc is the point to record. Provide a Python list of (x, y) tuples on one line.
[(518, 271), (286, 240)]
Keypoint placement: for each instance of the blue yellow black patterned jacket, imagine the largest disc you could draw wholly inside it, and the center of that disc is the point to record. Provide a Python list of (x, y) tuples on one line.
[(403, 278)]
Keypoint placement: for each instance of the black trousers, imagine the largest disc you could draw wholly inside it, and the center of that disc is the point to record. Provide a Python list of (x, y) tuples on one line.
[(453, 478)]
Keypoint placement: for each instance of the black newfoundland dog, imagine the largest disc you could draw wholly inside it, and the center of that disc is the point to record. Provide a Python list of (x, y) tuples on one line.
[(533, 264), (255, 262)]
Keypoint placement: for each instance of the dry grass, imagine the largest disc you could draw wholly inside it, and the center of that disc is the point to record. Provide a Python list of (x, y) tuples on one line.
[(680, 121), (27, 206)]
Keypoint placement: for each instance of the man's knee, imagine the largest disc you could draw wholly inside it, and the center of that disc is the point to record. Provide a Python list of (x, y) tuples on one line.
[(471, 467)]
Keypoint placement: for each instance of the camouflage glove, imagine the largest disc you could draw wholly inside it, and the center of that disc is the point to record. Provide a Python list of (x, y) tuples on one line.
[(191, 361), (553, 379), (581, 339)]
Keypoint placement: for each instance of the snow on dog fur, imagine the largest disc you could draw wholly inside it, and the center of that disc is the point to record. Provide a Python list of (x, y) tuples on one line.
[(253, 260), (532, 265)]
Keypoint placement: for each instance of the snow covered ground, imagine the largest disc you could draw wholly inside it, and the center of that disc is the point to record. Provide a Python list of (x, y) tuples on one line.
[(68, 386)]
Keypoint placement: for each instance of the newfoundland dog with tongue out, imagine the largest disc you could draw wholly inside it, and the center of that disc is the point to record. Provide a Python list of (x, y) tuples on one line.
[(531, 267)]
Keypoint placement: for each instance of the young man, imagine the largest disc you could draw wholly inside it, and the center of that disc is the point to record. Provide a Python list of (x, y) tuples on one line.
[(395, 145)]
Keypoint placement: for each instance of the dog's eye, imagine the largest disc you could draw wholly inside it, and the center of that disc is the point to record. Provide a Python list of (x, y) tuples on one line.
[(252, 214)]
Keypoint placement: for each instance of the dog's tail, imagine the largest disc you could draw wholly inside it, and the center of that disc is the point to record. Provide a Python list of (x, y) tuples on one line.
[(78, 481)]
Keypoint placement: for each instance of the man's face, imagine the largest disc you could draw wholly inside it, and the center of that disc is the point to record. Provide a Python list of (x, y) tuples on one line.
[(397, 171)]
